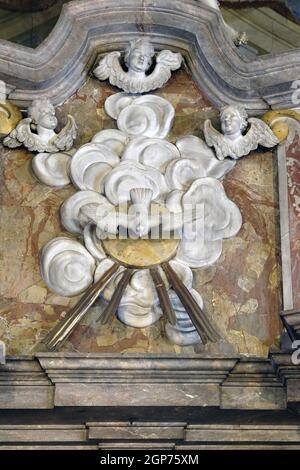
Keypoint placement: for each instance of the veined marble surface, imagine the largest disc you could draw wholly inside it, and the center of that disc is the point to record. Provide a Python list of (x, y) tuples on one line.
[(241, 291), (293, 170)]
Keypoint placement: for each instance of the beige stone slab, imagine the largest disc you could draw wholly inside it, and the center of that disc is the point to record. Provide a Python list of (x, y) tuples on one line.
[(42, 433), (26, 396), (253, 397), (132, 431), (89, 394), (242, 433)]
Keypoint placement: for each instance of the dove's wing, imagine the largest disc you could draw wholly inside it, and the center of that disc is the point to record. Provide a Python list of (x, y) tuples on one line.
[(172, 221)]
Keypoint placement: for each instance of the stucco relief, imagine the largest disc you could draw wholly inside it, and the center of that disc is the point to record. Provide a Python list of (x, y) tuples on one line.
[(189, 112), (108, 172)]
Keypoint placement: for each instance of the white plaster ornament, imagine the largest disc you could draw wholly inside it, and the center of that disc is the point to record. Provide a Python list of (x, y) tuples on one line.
[(117, 168), (132, 180), (37, 131), (148, 116), (236, 139), (37, 134), (138, 58)]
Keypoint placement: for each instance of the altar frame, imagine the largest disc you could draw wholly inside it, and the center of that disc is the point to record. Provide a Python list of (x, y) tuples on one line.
[(58, 382)]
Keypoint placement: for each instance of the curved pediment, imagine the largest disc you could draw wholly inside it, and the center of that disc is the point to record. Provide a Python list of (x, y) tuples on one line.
[(61, 64)]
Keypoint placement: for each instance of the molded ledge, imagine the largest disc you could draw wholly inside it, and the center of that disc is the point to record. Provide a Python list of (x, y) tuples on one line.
[(97, 380), (24, 384), (61, 64), (110, 380)]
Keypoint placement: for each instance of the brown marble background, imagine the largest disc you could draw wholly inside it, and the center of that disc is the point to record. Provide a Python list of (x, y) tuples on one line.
[(241, 291), (293, 172)]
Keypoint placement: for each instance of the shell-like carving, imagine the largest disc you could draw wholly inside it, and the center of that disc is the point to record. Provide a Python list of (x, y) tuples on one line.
[(71, 209), (52, 168), (66, 266), (216, 217), (129, 175), (151, 152), (137, 301), (221, 216), (181, 173), (115, 103), (184, 332), (199, 253), (114, 139), (148, 115), (194, 148), (90, 164), (197, 161), (173, 201)]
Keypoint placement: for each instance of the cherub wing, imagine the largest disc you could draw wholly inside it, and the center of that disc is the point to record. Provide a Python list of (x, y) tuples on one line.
[(169, 59), (20, 135), (166, 62), (103, 70), (64, 140), (103, 216), (215, 139), (262, 133)]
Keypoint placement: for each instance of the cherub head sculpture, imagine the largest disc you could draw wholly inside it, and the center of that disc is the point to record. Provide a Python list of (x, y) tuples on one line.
[(240, 134), (234, 121), (37, 131), (139, 55), (42, 113)]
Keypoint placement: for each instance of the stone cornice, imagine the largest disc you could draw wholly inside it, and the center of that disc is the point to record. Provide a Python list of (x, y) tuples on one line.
[(61, 64), (91, 380)]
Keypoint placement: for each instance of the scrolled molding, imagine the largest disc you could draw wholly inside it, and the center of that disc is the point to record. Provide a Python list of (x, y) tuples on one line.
[(66, 266), (52, 168), (90, 164), (148, 115)]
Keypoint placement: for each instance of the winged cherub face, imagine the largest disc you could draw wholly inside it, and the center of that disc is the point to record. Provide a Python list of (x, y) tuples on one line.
[(47, 118), (139, 60), (231, 122), (138, 56)]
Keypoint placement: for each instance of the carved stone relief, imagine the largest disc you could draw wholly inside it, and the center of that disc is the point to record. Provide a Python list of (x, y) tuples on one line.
[(135, 165), (105, 180), (175, 163)]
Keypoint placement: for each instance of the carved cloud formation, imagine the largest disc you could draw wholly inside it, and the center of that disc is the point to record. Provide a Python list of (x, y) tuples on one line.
[(136, 155)]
